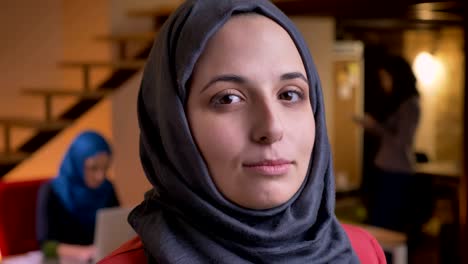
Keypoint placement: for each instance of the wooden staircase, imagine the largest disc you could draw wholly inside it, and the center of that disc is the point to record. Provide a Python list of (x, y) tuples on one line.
[(122, 70)]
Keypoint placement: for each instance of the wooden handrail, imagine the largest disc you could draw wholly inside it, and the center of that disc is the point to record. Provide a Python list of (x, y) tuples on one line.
[(124, 64), (87, 65), (13, 157), (9, 123), (56, 92), (122, 40), (7, 138), (49, 94), (34, 123)]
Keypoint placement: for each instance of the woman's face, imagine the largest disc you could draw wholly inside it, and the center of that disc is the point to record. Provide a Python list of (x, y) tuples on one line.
[(95, 169), (250, 114)]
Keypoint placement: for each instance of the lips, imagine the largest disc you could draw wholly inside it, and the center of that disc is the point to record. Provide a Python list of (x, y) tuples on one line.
[(269, 167)]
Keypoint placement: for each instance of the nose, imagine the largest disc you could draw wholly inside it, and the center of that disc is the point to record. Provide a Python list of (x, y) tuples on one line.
[(267, 126)]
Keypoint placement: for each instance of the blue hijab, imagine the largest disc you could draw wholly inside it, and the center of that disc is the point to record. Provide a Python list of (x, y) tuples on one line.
[(80, 200)]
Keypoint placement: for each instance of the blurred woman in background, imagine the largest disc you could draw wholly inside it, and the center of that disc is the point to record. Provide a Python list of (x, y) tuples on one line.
[(67, 204)]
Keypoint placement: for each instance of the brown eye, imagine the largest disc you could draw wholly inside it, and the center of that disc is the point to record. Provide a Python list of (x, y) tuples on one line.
[(291, 96), (227, 99)]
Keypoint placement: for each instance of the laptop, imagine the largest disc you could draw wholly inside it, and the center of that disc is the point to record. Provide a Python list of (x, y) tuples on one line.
[(112, 230)]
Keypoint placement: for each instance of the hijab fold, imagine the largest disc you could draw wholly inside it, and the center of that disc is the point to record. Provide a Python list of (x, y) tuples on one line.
[(185, 219)]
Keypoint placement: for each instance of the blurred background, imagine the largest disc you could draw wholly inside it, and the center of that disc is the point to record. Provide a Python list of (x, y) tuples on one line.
[(72, 65)]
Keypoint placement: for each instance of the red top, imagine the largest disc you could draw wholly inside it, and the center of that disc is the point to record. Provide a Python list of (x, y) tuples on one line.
[(365, 246)]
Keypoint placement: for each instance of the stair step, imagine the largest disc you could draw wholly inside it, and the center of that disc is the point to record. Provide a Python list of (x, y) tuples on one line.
[(13, 157), (34, 123), (124, 64), (139, 37), (92, 94), (162, 11)]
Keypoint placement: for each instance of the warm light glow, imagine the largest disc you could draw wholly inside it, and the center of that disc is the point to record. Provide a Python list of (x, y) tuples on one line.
[(427, 68)]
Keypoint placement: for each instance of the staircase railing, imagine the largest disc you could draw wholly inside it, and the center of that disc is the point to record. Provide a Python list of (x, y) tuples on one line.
[(122, 70)]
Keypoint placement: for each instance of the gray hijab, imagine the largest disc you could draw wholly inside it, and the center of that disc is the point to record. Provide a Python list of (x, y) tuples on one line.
[(185, 219)]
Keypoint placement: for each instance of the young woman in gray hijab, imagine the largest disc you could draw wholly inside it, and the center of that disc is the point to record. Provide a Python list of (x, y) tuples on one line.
[(233, 139)]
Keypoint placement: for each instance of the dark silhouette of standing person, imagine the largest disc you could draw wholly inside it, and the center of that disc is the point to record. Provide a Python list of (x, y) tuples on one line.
[(395, 130)]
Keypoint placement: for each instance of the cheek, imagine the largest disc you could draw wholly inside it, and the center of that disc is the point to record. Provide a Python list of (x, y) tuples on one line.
[(89, 179), (219, 137), (308, 132), (94, 179), (302, 131)]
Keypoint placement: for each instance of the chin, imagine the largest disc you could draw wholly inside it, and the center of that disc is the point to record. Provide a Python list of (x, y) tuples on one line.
[(266, 205), (95, 185), (260, 194), (268, 202)]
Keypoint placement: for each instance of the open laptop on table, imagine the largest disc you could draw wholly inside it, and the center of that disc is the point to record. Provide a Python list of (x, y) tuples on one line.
[(112, 230)]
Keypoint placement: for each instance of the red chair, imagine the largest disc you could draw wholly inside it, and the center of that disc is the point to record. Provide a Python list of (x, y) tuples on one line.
[(18, 216)]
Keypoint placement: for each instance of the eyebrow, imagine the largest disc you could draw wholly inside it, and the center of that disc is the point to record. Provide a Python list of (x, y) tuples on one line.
[(293, 75), (225, 78), (241, 80)]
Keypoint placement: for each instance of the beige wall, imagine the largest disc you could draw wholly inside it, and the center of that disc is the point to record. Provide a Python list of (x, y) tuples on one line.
[(122, 23), (319, 33), (40, 34), (440, 129), (31, 43), (82, 21), (129, 175)]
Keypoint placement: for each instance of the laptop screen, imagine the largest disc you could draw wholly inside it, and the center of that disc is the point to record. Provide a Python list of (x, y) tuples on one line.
[(112, 230)]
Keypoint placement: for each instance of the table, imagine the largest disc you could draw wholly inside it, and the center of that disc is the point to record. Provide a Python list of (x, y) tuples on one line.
[(440, 170), (445, 180), (36, 257), (391, 241), (33, 257), (444, 177)]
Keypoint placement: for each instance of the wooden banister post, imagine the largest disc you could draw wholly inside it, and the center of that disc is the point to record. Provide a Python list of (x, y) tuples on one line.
[(86, 77), (122, 49), (7, 138), (48, 106)]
